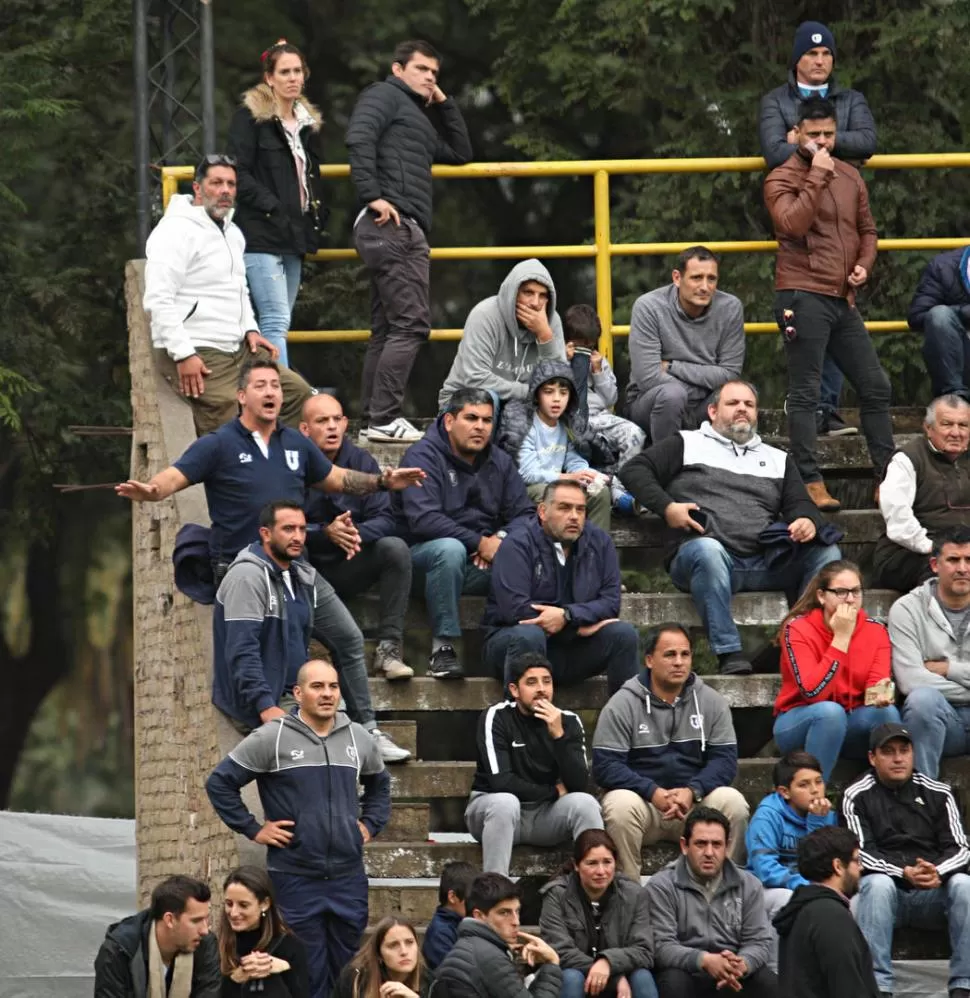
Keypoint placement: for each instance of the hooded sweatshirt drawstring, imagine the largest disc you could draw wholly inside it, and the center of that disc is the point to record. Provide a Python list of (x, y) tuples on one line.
[(700, 718)]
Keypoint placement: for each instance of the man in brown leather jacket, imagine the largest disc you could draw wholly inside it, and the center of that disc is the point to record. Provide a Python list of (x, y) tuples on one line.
[(826, 250)]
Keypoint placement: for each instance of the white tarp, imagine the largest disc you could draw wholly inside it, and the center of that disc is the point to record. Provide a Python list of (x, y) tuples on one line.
[(64, 880)]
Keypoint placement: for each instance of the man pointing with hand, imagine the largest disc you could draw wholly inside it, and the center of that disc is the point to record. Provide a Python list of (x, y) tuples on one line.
[(720, 488)]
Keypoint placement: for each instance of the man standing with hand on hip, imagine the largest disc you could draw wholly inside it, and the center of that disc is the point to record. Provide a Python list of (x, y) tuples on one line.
[(826, 251), (398, 128)]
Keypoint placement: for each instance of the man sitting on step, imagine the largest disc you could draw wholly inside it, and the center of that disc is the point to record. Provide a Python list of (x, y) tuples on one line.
[(472, 495), (482, 963), (531, 779), (356, 546), (727, 496), (914, 856), (556, 590), (925, 490), (664, 744)]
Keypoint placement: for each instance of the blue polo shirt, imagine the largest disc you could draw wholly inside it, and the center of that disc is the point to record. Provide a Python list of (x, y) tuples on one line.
[(239, 481)]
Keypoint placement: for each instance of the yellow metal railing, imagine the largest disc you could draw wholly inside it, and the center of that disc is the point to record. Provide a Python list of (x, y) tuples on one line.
[(603, 249)]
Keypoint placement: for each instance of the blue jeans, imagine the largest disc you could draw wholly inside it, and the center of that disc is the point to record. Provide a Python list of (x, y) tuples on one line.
[(831, 386), (883, 906), (710, 573), (827, 730), (613, 649), (641, 984), (274, 281), (446, 570), (939, 728), (946, 351)]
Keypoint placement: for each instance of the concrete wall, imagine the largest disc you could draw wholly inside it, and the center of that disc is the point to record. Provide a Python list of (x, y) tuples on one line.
[(176, 740)]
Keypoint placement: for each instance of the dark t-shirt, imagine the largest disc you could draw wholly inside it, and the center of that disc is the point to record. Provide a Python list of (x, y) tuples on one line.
[(239, 481)]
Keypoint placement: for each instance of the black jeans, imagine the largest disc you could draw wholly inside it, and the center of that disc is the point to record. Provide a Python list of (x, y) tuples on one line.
[(896, 567), (386, 563), (674, 983), (399, 262), (823, 323)]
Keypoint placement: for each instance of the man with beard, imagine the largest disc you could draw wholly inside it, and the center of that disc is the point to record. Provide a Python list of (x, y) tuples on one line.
[(309, 766), (530, 783), (720, 489), (254, 460), (555, 590), (269, 605), (823, 953), (914, 857), (202, 321)]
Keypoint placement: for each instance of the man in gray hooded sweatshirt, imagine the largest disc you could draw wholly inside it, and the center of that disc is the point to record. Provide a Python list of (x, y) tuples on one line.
[(506, 335)]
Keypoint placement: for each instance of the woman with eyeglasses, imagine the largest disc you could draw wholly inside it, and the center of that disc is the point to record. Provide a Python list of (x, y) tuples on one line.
[(273, 138), (257, 951), (835, 671)]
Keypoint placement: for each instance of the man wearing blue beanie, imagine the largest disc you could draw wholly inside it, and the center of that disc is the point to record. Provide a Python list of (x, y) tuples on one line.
[(810, 75)]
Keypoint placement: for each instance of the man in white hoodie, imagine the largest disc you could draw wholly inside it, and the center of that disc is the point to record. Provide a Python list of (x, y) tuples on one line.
[(203, 326), (506, 335)]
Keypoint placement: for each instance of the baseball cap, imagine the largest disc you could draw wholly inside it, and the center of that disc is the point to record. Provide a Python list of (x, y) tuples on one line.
[(886, 733)]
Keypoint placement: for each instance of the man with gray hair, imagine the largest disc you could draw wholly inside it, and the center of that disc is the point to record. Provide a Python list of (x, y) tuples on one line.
[(739, 515), (925, 490)]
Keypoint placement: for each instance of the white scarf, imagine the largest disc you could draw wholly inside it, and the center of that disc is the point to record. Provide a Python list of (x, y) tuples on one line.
[(181, 975)]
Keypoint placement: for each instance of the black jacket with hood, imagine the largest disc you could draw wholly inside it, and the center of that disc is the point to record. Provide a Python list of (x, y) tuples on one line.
[(393, 138), (480, 965), (822, 951), (268, 204), (121, 966)]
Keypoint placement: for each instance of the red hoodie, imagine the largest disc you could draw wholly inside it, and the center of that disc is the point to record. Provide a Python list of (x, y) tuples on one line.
[(812, 670)]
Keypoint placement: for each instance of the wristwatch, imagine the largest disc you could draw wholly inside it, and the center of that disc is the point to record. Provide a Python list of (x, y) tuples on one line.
[(567, 615), (698, 796)]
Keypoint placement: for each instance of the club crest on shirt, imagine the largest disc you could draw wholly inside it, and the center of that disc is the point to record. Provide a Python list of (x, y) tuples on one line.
[(293, 460), (296, 754), (352, 753), (453, 476), (697, 721), (245, 458)]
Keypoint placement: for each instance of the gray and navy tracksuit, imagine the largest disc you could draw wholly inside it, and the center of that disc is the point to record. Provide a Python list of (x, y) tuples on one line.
[(319, 878)]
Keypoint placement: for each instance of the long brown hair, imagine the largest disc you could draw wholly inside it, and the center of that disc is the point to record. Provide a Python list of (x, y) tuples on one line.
[(369, 966), (256, 880), (808, 601)]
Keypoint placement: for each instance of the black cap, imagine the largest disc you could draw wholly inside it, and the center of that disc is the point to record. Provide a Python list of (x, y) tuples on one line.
[(886, 733)]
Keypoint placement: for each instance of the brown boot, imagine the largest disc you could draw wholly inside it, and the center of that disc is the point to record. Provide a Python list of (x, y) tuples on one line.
[(819, 495)]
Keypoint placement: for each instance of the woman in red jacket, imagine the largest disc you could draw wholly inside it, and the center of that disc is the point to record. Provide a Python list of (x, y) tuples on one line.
[(833, 659)]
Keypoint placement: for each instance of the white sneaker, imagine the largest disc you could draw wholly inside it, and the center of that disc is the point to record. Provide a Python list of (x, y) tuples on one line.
[(389, 751), (364, 435), (397, 431), (389, 663)]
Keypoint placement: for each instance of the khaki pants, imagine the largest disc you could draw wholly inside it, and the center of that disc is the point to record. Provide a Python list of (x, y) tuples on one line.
[(217, 404), (597, 507), (633, 824)]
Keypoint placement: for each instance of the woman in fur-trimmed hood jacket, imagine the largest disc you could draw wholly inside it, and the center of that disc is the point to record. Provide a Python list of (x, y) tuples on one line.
[(274, 138)]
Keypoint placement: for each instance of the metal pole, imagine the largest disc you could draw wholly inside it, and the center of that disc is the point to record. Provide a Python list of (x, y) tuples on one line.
[(207, 77), (604, 279), (142, 134)]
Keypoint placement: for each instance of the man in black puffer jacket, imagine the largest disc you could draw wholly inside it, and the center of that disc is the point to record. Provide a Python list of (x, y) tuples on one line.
[(397, 130), (481, 964)]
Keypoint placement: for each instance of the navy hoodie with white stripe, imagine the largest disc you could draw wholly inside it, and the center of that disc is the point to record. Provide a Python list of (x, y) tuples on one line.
[(312, 781), (517, 755)]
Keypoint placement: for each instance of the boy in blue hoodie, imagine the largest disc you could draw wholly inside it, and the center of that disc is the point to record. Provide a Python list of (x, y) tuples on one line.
[(442, 931), (541, 434), (798, 806)]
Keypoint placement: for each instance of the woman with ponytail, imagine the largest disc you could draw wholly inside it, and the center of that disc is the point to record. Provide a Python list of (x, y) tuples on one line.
[(596, 920), (835, 671), (258, 953), (387, 965), (274, 139)]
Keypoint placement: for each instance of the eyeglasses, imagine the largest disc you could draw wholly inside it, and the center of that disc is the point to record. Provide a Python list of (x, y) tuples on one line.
[(843, 594)]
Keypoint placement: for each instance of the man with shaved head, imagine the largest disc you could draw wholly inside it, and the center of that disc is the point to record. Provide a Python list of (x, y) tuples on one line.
[(352, 539), (307, 765)]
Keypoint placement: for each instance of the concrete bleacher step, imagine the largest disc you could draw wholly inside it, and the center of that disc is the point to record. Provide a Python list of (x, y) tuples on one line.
[(403, 733), (475, 694), (640, 609), (409, 822)]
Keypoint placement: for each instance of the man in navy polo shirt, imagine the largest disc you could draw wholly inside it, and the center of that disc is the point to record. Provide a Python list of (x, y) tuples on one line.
[(252, 461), (352, 541)]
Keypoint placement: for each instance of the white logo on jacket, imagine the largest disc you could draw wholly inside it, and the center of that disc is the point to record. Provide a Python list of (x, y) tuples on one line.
[(643, 729), (453, 477), (296, 754), (293, 460), (697, 721), (352, 753), (245, 458)]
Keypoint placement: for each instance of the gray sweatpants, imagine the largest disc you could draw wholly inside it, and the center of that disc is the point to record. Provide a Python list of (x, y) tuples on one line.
[(500, 821)]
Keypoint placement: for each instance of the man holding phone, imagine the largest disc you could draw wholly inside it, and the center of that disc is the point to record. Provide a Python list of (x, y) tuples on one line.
[(719, 489), (826, 250)]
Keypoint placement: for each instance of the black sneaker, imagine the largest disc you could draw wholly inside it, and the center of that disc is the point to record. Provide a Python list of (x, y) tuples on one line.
[(733, 663), (444, 664), (836, 426)]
